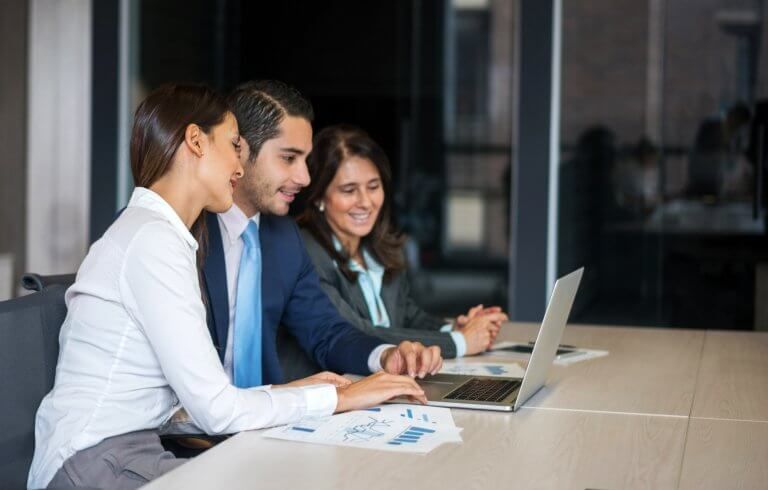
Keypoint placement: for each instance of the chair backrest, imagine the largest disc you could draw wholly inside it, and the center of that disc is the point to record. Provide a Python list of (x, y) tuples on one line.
[(36, 282), (29, 350)]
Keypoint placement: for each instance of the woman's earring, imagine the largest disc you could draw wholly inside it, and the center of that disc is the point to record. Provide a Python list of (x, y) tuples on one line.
[(321, 206)]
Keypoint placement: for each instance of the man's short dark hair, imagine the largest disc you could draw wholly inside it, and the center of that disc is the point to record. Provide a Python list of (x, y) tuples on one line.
[(261, 105)]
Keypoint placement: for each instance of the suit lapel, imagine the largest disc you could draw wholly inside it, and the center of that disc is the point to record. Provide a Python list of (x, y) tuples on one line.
[(273, 287), (389, 290), (357, 298), (215, 271)]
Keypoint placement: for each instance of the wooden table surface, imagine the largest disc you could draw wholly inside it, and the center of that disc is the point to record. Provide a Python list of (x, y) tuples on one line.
[(725, 454), (666, 408), (733, 377), (529, 449), (648, 370)]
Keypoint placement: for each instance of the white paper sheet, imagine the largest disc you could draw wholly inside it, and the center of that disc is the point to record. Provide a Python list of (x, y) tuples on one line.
[(582, 355), (578, 355), (418, 413), (499, 369), (400, 428)]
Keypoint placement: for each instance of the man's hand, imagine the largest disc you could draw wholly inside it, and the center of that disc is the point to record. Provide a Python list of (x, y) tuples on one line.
[(412, 358), (325, 377)]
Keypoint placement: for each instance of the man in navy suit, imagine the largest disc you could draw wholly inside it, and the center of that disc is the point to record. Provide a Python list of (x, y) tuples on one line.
[(276, 137)]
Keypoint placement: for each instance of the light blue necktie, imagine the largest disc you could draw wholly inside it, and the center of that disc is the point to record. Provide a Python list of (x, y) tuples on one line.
[(247, 341)]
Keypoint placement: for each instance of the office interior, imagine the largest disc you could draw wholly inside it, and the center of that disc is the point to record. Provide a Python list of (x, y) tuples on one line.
[(528, 138), (628, 138)]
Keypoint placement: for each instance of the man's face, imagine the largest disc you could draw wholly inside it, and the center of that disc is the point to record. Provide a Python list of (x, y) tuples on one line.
[(278, 172)]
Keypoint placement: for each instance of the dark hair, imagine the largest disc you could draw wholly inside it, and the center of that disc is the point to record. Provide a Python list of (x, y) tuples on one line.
[(261, 105), (159, 126), (332, 146)]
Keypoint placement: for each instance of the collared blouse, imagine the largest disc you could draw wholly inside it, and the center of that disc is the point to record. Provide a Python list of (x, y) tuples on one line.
[(135, 348)]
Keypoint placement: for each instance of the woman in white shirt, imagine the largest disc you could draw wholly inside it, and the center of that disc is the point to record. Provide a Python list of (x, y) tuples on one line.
[(134, 347)]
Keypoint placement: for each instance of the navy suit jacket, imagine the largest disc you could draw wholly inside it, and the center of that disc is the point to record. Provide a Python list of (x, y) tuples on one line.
[(292, 297)]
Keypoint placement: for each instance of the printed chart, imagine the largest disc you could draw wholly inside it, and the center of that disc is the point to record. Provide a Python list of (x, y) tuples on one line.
[(499, 369), (570, 354), (405, 428), (411, 435), (408, 414)]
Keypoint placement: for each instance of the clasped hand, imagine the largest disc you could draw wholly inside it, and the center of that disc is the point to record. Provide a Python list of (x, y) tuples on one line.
[(480, 326)]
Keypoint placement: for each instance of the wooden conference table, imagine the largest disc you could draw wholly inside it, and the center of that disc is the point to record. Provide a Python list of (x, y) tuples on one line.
[(667, 408)]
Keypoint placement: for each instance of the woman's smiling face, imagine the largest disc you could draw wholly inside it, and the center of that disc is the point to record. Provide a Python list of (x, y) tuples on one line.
[(353, 199)]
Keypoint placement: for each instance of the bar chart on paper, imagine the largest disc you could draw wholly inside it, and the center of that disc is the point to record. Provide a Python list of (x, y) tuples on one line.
[(503, 369), (307, 425), (409, 414), (411, 435), (403, 428)]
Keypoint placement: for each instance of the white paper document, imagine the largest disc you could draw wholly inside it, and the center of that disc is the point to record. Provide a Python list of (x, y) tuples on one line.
[(499, 369), (574, 354), (580, 355), (401, 428)]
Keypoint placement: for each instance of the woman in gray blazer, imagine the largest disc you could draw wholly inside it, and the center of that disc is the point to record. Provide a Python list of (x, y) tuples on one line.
[(358, 254)]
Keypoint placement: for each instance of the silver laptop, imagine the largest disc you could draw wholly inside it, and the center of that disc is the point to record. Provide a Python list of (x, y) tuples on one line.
[(508, 394)]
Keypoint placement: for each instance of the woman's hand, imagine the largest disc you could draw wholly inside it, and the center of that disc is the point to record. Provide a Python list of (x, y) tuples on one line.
[(376, 389), (480, 332), (479, 310), (325, 377)]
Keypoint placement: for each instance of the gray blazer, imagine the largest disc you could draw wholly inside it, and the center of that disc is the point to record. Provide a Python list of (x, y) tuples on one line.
[(408, 321)]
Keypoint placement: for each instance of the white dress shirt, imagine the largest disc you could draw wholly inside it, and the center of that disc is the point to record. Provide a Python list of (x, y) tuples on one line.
[(135, 347), (232, 224)]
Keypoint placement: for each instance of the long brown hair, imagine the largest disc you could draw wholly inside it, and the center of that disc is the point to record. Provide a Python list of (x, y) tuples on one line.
[(159, 127), (332, 146)]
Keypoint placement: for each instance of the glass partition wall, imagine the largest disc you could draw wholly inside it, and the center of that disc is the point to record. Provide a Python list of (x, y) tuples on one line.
[(660, 110), (663, 161), (464, 250), (431, 81)]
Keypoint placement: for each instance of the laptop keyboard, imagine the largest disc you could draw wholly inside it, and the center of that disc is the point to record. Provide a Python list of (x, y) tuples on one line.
[(484, 390)]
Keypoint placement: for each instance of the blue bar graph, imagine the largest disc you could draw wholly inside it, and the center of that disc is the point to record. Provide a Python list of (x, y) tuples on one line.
[(421, 429), (499, 370), (411, 435), (303, 429), (424, 417)]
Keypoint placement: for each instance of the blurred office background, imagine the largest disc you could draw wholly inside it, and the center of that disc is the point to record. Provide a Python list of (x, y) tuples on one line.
[(528, 137)]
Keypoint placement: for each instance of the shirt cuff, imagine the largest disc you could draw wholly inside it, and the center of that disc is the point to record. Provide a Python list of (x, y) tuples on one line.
[(447, 327), (461, 343), (374, 359), (321, 399)]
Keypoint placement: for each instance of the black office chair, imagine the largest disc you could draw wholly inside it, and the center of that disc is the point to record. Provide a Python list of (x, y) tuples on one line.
[(36, 282), (29, 349), (54, 287)]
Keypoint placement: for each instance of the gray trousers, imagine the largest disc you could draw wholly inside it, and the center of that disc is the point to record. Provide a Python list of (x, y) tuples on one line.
[(126, 461)]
